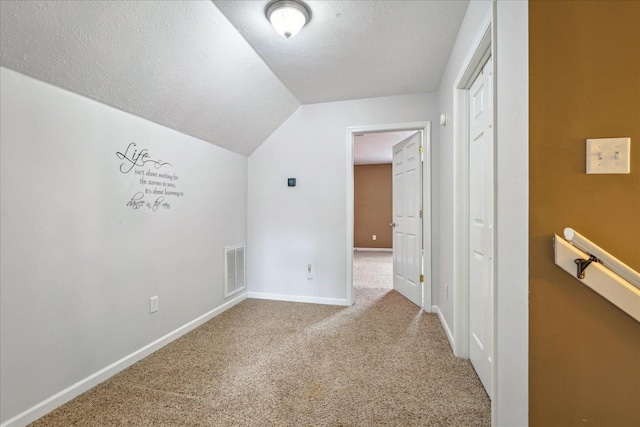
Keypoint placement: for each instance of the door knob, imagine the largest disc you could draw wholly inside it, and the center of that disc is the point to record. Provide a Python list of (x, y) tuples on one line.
[(393, 224)]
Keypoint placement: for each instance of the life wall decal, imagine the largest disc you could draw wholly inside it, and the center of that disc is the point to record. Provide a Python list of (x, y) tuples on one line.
[(156, 185), (133, 158)]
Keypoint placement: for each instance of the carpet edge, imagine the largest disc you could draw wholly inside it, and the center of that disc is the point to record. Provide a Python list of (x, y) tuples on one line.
[(87, 383)]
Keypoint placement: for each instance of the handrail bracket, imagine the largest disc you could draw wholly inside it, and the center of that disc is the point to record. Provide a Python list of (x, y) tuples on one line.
[(582, 265)]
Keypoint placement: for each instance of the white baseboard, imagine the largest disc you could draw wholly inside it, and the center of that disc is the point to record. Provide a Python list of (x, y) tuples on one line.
[(103, 374), (373, 249), (298, 298), (445, 326)]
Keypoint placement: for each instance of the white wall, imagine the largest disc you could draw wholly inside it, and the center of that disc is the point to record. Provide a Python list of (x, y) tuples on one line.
[(469, 31), (512, 213), (77, 265), (510, 20), (290, 228)]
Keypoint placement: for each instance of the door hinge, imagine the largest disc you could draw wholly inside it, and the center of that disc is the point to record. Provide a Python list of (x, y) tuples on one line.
[(421, 213), (421, 278), (421, 149)]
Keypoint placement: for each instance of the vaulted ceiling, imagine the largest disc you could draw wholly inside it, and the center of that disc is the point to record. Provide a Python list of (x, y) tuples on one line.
[(217, 70), (355, 49)]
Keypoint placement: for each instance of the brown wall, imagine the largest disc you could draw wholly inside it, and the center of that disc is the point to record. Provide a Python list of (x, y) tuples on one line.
[(372, 206), (584, 64)]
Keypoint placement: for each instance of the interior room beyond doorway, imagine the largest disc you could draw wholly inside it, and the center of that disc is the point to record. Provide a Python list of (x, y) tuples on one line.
[(373, 208)]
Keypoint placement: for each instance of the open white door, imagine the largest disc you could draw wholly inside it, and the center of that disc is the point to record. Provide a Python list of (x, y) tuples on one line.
[(481, 190), (407, 224)]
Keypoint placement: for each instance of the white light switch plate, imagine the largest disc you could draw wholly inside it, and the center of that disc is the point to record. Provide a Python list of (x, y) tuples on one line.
[(608, 155)]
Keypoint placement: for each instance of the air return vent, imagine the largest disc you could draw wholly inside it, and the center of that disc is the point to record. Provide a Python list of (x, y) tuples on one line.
[(234, 272)]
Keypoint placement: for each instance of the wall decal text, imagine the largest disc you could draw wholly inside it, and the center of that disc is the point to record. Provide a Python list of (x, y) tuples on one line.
[(133, 158), (156, 185)]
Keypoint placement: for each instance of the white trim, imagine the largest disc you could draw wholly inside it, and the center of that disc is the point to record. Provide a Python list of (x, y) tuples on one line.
[(105, 373), (350, 213), (373, 249), (298, 298), (444, 323), (481, 49), (510, 405), (427, 236), (478, 53), (496, 224), (460, 222), (425, 128)]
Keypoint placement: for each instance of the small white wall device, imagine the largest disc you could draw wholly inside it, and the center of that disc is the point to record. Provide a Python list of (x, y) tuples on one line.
[(608, 156)]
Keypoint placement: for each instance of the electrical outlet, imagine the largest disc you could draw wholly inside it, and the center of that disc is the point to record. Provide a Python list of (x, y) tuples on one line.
[(309, 273), (374, 237), (153, 304)]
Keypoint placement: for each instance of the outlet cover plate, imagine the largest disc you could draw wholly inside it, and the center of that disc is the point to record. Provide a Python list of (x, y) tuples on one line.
[(153, 304), (608, 156)]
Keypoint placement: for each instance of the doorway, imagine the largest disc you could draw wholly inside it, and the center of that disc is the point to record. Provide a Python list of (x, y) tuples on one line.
[(423, 128), (474, 213), (373, 209)]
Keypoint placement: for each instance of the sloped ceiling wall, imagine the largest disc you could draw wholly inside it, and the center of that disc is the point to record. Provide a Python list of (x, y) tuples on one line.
[(355, 49), (179, 64), (217, 70)]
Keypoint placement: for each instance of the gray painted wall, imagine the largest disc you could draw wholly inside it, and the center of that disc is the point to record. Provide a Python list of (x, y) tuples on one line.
[(290, 228), (77, 264)]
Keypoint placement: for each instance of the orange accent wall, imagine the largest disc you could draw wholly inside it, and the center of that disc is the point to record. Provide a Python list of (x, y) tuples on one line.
[(584, 66), (373, 206)]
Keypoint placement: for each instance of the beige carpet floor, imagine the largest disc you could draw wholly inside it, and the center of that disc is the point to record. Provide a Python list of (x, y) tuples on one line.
[(381, 362), (373, 269)]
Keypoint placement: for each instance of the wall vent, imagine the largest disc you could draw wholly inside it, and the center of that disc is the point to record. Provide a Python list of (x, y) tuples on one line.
[(234, 270)]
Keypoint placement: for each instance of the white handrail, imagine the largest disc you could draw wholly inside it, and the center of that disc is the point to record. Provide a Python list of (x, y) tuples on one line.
[(611, 262), (599, 276)]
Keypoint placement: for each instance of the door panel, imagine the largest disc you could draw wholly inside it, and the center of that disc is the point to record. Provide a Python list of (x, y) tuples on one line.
[(481, 192), (407, 202)]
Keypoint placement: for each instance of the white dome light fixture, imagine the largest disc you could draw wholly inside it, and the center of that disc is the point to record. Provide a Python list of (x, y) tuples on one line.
[(288, 16)]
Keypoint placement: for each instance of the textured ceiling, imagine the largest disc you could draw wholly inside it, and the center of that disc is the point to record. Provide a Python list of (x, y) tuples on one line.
[(355, 49), (376, 148), (184, 65), (180, 64)]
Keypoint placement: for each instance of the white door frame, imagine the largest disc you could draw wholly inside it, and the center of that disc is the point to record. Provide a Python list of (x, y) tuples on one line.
[(507, 23), (472, 66), (425, 127), (481, 49)]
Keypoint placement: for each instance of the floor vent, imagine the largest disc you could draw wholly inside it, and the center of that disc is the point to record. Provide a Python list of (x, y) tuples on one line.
[(234, 270)]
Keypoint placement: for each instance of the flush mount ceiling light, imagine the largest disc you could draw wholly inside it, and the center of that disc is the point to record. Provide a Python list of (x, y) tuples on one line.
[(288, 16)]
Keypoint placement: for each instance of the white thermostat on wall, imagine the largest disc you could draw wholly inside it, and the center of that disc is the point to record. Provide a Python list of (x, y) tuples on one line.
[(608, 155)]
